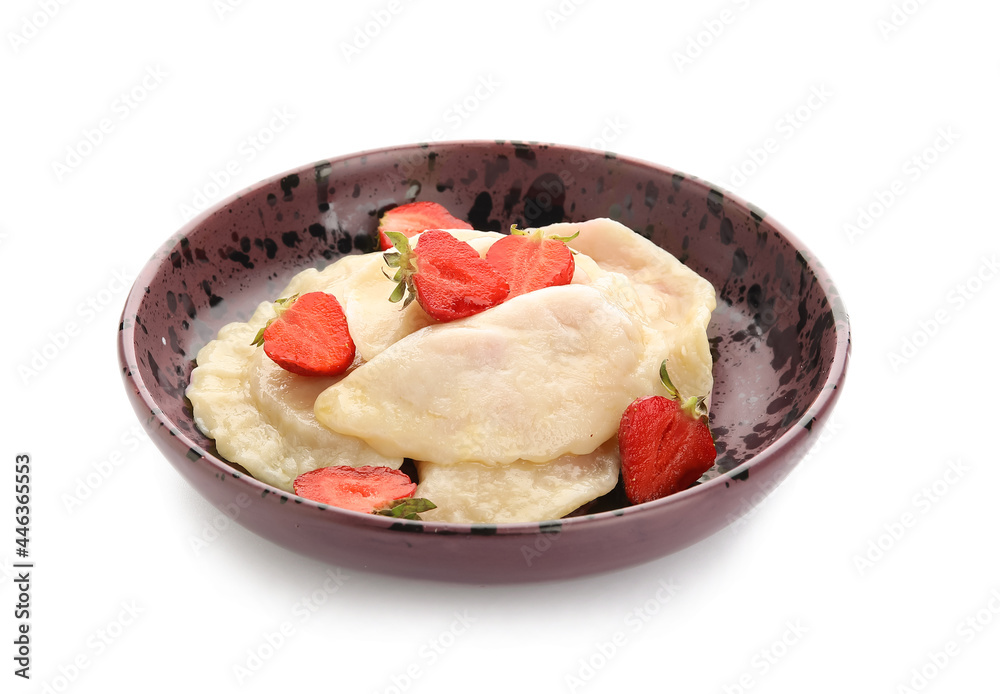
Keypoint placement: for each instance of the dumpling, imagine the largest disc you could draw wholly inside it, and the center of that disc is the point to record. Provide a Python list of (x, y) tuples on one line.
[(545, 374), (676, 300), (261, 416), (520, 491)]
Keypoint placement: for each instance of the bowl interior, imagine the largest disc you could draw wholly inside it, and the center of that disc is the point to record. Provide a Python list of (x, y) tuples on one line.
[(772, 335)]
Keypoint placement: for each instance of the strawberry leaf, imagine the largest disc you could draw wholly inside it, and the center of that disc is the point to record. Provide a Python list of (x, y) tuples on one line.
[(401, 259), (258, 339), (397, 293), (400, 241), (406, 508), (280, 306), (410, 296)]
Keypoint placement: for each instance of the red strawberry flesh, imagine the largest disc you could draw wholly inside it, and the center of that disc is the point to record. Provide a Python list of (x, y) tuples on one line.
[(664, 449), (452, 280), (414, 217), (311, 337), (365, 489), (529, 263)]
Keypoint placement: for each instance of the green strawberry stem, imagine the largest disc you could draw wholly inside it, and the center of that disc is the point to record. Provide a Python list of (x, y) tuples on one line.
[(694, 405)]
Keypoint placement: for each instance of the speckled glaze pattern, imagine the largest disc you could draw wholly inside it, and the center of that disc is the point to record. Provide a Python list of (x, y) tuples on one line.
[(780, 339)]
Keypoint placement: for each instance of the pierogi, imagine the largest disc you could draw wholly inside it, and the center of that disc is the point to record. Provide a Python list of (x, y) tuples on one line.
[(261, 416), (477, 493), (544, 374), (676, 301), (510, 414)]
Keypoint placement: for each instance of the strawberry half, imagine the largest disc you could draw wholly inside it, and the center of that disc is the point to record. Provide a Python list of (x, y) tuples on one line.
[(446, 276), (665, 445), (367, 488), (530, 260), (414, 217), (309, 337)]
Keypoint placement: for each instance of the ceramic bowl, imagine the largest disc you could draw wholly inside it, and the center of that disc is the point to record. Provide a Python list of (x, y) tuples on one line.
[(780, 339)]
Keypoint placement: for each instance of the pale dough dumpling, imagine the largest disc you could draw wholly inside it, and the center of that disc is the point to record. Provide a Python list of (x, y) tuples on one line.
[(677, 301), (363, 291), (261, 416), (542, 375), (518, 492)]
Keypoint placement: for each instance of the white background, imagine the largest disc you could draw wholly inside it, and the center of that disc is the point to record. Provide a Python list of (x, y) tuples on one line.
[(860, 573)]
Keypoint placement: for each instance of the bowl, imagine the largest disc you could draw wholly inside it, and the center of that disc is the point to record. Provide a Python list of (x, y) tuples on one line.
[(780, 341)]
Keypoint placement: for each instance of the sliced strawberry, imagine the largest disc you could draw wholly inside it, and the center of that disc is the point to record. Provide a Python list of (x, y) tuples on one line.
[(446, 276), (665, 447), (367, 488), (310, 336), (530, 261), (414, 217)]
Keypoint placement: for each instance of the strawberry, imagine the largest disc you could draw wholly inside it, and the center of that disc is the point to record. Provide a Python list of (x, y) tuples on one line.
[(665, 445), (446, 276), (367, 488), (309, 336), (530, 260), (414, 217)]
